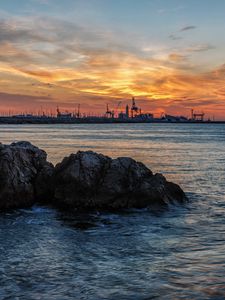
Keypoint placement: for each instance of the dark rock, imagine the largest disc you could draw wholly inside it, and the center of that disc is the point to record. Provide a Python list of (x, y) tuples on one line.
[(82, 181), (88, 180), (78, 177), (24, 175)]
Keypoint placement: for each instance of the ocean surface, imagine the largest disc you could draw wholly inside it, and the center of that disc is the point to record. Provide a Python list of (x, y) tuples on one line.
[(177, 253)]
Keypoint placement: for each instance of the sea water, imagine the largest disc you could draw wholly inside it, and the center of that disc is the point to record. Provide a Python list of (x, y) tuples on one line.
[(178, 253)]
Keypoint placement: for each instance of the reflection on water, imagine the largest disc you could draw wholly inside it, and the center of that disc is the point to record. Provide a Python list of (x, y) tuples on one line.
[(172, 254)]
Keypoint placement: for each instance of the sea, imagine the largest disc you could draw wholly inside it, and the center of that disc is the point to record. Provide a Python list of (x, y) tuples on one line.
[(174, 253)]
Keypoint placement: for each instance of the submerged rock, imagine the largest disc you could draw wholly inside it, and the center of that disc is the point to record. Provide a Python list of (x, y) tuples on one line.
[(88, 180), (24, 175)]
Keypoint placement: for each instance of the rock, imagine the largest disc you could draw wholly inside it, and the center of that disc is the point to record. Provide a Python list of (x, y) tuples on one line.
[(78, 177), (24, 175), (88, 180), (82, 181)]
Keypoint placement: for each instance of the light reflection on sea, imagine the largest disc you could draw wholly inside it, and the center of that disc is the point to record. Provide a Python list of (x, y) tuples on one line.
[(174, 254)]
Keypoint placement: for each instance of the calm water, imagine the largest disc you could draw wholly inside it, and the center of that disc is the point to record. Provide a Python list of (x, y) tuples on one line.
[(173, 254)]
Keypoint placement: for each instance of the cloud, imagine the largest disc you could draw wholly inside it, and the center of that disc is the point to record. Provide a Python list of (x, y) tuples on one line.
[(42, 41), (186, 28), (175, 37), (42, 1), (219, 73), (170, 10), (19, 31), (176, 57), (200, 48)]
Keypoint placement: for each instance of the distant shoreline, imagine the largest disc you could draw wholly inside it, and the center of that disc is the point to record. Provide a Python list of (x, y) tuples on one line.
[(46, 121)]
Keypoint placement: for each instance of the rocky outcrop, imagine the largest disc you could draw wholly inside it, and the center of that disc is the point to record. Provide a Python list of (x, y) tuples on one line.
[(82, 181), (24, 175), (88, 180)]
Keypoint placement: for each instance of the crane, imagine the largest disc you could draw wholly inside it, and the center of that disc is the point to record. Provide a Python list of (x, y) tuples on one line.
[(78, 111), (117, 108), (109, 113), (134, 108)]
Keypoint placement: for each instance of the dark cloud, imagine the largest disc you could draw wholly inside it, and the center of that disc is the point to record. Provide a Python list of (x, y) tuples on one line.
[(19, 32), (186, 28), (175, 37)]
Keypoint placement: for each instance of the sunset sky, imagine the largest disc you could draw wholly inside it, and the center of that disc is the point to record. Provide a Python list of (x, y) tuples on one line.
[(169, 54)]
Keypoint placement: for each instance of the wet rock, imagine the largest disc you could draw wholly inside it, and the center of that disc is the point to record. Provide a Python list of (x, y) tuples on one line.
[(24, 175), (88, 180)]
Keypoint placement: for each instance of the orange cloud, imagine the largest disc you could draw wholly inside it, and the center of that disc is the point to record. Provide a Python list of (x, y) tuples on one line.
[(175, 57)]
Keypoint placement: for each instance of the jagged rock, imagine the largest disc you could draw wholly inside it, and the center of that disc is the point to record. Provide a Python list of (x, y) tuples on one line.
[(84, 181), (88, 180), (24, 175)]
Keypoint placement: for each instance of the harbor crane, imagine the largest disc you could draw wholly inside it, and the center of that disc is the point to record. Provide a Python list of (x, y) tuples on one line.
[(117, 108), (78, 111), (197, 116), (109, 113), (134, 109)]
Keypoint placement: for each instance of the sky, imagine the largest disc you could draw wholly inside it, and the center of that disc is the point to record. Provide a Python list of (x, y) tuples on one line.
[(168, 54)]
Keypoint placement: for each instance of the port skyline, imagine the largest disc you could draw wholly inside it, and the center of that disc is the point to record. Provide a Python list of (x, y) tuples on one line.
[(132, 113)]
